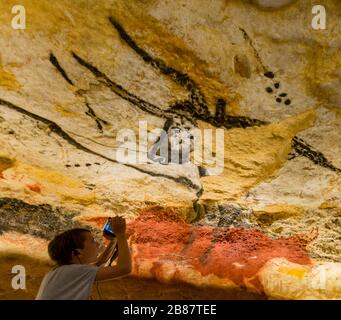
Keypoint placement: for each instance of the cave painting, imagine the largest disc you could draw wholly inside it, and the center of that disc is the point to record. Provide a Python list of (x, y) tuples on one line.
[(237, 254), (165, 247), (183, 114), (195, 108)]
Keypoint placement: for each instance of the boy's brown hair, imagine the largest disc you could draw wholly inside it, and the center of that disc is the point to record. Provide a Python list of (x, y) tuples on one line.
[(60, 248)]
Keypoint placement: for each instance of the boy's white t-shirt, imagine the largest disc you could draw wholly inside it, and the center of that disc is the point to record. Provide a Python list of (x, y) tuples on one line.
[(68, 282)]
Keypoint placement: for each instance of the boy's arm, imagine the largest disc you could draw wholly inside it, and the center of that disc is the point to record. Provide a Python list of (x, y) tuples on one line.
[(107, 253), (123, 265)]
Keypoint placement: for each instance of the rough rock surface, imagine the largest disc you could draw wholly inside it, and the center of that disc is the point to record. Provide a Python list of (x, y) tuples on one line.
[(265, 227)]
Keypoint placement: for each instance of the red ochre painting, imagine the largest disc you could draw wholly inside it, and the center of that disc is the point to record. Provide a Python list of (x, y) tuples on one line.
[(237, 254)]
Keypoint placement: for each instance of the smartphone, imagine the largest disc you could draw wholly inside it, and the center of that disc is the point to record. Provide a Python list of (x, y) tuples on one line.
[(108, 230)]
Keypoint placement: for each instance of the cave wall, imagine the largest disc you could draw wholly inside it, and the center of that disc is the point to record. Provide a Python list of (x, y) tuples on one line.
[(83, 70)]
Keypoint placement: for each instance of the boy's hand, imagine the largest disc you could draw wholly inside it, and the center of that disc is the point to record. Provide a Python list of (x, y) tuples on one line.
[(118, 225)]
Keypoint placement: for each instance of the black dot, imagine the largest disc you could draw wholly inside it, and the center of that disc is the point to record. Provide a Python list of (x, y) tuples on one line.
[(283, 94), (269, 74), (77, 165), (279, 100), (276, 85), (88, 164), (97, 163), (287, 102), (67, 165), (11, 132), (269, 90)]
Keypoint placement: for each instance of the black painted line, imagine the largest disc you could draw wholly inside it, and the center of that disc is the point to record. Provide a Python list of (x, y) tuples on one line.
[(184, 109), (52, 126), (56, 64), (91, 113), (60, 132), (249, 40), (99, 125), (197, 98), (317, 157), (242, 122), (120, 91)]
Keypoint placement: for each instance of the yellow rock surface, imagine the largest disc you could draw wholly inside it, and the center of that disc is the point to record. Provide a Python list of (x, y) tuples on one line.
[(246, 161), (274, 212), (8, 80)]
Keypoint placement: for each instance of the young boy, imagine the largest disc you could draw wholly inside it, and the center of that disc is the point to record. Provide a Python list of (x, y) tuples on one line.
[(78, 265)]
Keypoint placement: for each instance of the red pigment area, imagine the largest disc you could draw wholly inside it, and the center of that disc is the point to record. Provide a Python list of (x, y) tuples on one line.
[(98, 222), (234, 253), (34, 187)]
